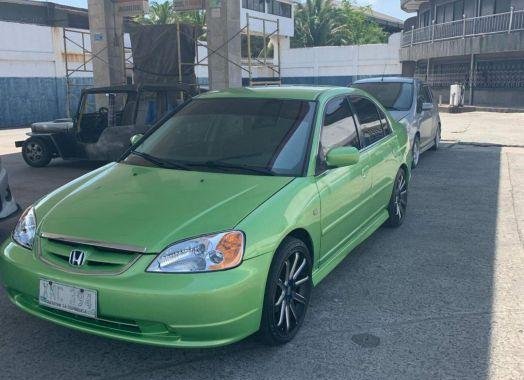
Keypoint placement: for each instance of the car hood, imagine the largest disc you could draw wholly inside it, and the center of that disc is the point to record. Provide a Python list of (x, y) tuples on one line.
[(398, 115), (58, 125), (152, 207)]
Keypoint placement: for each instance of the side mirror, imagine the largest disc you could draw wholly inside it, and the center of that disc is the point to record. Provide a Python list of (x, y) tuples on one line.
[(342, 156), (136, 138), (427, 106)]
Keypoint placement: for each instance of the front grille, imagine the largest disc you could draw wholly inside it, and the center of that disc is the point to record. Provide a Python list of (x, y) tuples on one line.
[(97, 260)]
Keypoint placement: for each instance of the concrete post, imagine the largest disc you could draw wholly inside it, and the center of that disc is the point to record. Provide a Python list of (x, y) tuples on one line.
[(223, 42), (106, 43), (471, 79)]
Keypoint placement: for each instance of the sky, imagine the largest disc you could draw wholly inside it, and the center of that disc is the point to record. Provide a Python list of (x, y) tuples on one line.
[(390, 7)]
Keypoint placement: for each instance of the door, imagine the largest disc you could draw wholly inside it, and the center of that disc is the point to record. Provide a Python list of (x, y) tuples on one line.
[(380, 150), (343, 191), (426, 116)]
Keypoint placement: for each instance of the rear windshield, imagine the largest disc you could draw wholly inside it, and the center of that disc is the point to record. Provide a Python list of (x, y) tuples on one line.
[(395, 96)]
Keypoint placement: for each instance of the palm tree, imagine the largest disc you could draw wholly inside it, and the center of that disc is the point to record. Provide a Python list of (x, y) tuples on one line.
[(159, 13), (324, 23), (164, 13), (314, 22)]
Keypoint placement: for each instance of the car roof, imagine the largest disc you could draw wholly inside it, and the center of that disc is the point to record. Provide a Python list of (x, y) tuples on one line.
[(387, 80), (276, 92)]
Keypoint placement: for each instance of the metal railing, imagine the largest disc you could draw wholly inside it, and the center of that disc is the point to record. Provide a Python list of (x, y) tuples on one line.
[(467, 27)]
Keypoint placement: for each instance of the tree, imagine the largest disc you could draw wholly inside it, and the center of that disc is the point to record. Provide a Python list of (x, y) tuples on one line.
[(314, 22), (164, 13), (321, 23), (159, 13), (357, 28)]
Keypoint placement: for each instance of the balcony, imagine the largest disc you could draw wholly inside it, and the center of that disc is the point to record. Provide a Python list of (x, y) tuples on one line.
[(508, 23)]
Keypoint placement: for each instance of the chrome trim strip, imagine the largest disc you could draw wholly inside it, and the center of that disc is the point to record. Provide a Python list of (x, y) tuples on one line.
[(94, 243)]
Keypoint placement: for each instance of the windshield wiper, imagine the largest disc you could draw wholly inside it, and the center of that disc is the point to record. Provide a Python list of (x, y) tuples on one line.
[(226, 165), (161, 163)]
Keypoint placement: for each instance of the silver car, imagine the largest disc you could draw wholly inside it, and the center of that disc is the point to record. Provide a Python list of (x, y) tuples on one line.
[(8, 205), (410, 102)]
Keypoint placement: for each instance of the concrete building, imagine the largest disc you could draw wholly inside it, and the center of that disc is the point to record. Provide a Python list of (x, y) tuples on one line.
[(32, 60), (34, 52), (478, 43)]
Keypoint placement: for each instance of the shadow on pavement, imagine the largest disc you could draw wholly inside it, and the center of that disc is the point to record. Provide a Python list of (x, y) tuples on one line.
[(411, 303)]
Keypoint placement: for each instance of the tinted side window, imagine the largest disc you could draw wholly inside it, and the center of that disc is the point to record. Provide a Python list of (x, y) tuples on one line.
[(423, 94), (385, 123), (339, 128), (426, 93), (370, 124)]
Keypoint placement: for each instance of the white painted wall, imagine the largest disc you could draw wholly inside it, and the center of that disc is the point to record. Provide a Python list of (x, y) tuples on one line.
[(329, 61), (34, 51), (358, 60)]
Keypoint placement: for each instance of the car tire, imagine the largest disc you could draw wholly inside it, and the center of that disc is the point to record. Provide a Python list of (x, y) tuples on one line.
[(415, 152), (288, 290), (436, 141), (36, 152), (399, 200)]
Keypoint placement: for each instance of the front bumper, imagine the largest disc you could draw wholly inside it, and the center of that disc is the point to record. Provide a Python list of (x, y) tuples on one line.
[(8, 204), (177, 310)]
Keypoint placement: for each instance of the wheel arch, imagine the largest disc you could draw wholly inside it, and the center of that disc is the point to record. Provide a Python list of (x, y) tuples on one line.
[(304, 236), (407, 171), (49, 140)]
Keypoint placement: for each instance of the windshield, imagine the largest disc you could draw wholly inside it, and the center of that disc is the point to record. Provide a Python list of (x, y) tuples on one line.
[(395, 96), (252, 136)]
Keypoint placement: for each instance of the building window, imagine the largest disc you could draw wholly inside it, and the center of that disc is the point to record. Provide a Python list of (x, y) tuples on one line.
[(489, 7), (254, 5), (502, 6), (425, 19), (458, 10), (451, 11), (279, 9)]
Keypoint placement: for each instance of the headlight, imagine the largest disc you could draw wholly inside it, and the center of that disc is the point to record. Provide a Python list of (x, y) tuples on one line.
[(202, 254), (24, 233)]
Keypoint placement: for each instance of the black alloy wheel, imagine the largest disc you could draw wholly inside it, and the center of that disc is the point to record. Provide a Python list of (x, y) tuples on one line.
[(288, 291), (399, 200)]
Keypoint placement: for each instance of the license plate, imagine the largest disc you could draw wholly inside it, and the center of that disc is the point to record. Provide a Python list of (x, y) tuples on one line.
[(68, 298)]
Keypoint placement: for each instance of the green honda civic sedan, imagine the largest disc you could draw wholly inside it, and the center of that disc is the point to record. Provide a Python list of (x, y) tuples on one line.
[(217, 223)]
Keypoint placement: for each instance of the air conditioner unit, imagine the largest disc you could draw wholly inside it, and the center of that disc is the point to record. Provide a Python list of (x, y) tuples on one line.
[(456, 95)]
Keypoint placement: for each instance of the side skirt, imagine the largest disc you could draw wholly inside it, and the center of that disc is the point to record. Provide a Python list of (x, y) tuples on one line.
[(320, 273)]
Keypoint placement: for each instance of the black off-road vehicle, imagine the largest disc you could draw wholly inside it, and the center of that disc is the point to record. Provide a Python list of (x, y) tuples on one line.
[(106, 119)]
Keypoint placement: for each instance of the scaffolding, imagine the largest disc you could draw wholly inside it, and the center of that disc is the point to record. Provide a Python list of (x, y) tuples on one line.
[(80, 60), (263, 61), (84, 57)]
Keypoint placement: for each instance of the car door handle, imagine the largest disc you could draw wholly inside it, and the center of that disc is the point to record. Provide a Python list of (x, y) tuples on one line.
[(365, 171)]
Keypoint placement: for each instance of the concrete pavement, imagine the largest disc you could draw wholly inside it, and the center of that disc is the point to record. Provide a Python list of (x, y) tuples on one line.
[(440, 297)]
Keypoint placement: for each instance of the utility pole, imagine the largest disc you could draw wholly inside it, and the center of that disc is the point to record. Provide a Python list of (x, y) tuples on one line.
[(223, 43), (106, 26)]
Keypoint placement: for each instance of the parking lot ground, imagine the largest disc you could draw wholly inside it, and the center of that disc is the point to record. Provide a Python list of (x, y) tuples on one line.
[(440, 297), (489, 128)]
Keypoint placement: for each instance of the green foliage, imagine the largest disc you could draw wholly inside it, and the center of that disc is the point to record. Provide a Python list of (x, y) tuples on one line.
[(321, 23), (164, 13)]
